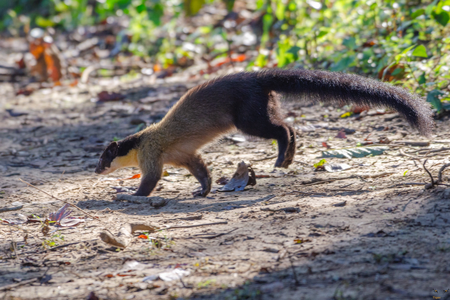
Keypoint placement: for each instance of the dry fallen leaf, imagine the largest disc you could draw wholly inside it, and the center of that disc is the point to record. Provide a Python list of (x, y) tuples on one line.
[(45, 228), (222, 180), (341, 135), (136, 176), (47, 62), (105, 96), (301, 241), (240, 179)]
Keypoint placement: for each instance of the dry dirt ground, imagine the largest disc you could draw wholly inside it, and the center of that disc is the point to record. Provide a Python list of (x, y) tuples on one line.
[(364, 237)]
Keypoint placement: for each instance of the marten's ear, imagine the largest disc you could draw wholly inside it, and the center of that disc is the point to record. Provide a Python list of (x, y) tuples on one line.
[(107, 157)]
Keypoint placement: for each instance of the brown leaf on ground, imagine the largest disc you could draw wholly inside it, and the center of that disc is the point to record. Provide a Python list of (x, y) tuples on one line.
[(240, 179), (125, 235), (222, 180), (45, 228), (47, 59), (105, 96)]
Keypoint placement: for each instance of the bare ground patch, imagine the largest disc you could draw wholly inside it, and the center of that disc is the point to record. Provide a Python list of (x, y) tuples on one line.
[(364, 237)]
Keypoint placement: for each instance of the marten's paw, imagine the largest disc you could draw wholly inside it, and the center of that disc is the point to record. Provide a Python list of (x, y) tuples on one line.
[(279, 163), (286, 163), (200, 193)]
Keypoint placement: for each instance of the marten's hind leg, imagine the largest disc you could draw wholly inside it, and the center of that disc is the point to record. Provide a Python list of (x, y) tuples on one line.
[(290, 152), (280, 132), (197, 167), (260, 116)]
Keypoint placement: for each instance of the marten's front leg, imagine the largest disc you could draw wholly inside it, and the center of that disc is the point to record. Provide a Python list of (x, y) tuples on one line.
[(198, 168), (151, 173)]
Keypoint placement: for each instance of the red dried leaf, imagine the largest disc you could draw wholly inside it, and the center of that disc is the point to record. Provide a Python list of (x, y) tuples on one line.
[(60, 214), (105, 96), (222, 180), (341, 135), (357, 109)]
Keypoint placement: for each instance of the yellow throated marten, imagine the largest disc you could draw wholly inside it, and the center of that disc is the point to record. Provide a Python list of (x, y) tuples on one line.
[(246, 101)]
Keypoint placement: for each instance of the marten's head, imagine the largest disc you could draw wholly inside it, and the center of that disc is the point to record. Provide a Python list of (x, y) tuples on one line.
[(118, 155)]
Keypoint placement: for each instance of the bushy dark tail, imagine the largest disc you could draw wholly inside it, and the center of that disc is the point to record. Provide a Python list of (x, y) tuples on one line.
[(341, 88)]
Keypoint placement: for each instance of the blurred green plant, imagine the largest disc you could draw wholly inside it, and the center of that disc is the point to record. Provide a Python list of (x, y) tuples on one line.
[(404, 42)]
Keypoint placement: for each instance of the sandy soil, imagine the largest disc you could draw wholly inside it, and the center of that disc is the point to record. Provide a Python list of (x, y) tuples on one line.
[(364, 237)]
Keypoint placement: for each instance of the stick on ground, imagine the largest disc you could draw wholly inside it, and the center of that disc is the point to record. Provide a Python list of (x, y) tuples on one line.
[(213, 236), (428, 186), (73, 205), (196, 225), (5, 209), (13, 285), (441, 170)]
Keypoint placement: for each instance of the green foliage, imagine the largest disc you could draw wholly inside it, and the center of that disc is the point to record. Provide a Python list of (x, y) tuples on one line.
[(53, 241), (420, 51), (320, 163), (433, 98), (206, 283), (192, 7)]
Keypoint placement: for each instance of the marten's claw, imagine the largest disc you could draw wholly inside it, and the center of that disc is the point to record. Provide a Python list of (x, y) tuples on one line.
[(200, 193)]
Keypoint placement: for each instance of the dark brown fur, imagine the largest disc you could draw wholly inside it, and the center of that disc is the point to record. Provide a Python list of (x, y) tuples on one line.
[(247, 101)]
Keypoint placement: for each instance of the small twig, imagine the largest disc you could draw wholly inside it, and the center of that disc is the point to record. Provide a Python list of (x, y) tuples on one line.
[(427, 185), (184, 286), (441, 170), (215, 235), (347, 190), (297, 283), (4, 209), (13, 285), (306, 193), (302, 163), (344, 186), (197, 225), (431, 176), (404, 207), (413, 143), (402, 153), (191, 218), (286, 209), (70, 244), (68, 190), (265, 158), (409, 183), (73, 205), (13, 243), (203, 208), (431, 150), (315, 181)]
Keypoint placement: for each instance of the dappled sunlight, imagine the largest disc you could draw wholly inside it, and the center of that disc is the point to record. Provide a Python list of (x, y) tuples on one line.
[(333, 93)]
